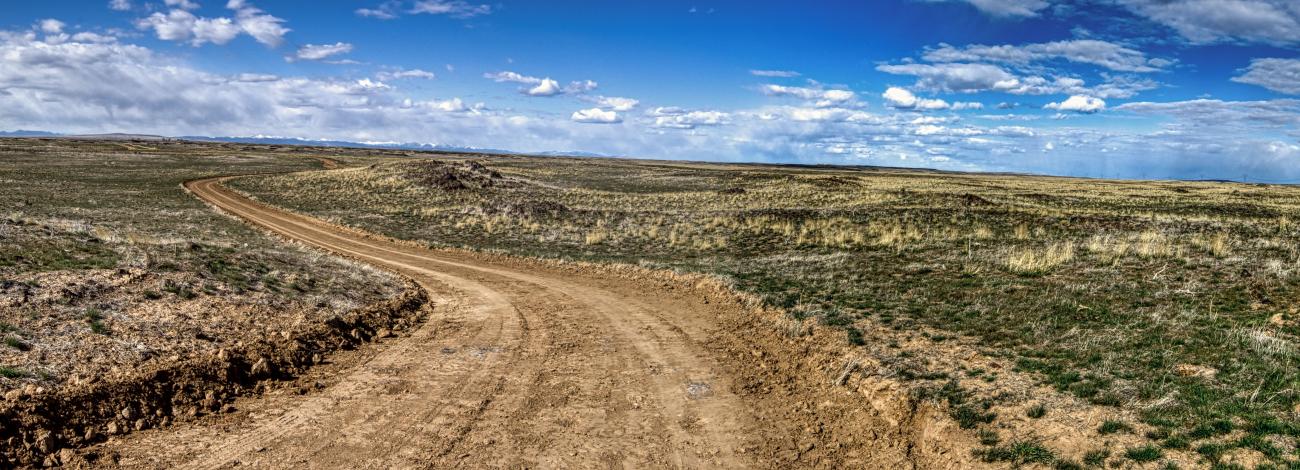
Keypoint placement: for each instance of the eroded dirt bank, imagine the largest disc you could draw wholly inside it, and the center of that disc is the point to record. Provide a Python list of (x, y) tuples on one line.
[(42, 428), (532, 364)]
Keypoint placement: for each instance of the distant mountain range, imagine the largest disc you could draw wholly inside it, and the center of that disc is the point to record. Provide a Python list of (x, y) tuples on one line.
[(382, 145), (264, 140), (22, 133), (269, 140)]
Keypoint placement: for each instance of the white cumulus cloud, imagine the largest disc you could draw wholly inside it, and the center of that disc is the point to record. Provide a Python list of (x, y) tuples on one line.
[(542, 86), (1079, 104), (692, 119), (51, 26), (180, 25), (546, 87), (615, 103), (596, 116), (903, 99), (820, 97)]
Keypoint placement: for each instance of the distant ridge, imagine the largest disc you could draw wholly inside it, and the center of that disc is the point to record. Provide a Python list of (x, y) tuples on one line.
[(23, 133), (116, 136), (265, 140), (111, 136), (271, 140)]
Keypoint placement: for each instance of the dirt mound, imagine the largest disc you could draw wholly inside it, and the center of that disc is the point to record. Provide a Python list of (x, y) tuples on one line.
[(454, 176)]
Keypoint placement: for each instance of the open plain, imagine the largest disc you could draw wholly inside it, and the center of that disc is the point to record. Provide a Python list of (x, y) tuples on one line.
[(564, 313)]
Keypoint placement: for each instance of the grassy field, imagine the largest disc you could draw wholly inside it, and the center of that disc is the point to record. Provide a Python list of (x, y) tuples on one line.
[(106, 262), (1174, 302)]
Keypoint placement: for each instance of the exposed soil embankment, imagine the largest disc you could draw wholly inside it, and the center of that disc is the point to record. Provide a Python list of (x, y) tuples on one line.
[(37, 426)]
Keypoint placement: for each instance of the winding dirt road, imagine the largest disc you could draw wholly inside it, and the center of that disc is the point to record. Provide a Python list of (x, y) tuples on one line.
[(520, 366)]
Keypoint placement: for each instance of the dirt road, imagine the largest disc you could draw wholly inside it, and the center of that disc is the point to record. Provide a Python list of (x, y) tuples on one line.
[(520, 366)]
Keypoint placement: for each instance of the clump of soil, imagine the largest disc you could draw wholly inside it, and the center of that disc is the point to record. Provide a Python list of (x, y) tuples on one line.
[(455, 176)]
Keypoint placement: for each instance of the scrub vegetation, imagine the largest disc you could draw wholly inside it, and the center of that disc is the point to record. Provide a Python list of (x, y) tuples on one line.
[(107, 264)]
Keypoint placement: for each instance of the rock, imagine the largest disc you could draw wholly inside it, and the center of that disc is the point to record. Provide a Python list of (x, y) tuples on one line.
[(14, 395), (68, 457), (260, 368), (141, 424), (384, 333), (113, 428), (44, 441), (128, 413)]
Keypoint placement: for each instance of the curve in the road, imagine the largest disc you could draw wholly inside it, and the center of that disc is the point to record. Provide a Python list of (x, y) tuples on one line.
[(522, 366)]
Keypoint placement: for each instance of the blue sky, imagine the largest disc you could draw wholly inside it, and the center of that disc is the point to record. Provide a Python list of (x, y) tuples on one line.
[(1115, 88)]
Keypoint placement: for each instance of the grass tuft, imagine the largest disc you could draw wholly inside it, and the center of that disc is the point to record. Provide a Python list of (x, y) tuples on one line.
[(1018, 453)]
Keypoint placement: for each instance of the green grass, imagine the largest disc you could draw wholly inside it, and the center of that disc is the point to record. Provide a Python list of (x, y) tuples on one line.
[(1112, 427), (57, 252), (1096, 458), (988, 437), (1018, 453), (1037, 411), (95, 319), (1146, 453), (16, 343), (12, 372)]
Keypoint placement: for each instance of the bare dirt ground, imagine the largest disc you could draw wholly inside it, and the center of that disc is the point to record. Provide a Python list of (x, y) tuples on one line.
[(524, 365)]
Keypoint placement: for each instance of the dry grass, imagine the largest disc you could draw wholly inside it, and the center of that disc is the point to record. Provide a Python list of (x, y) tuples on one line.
[(1040, 260), (106, 263)]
